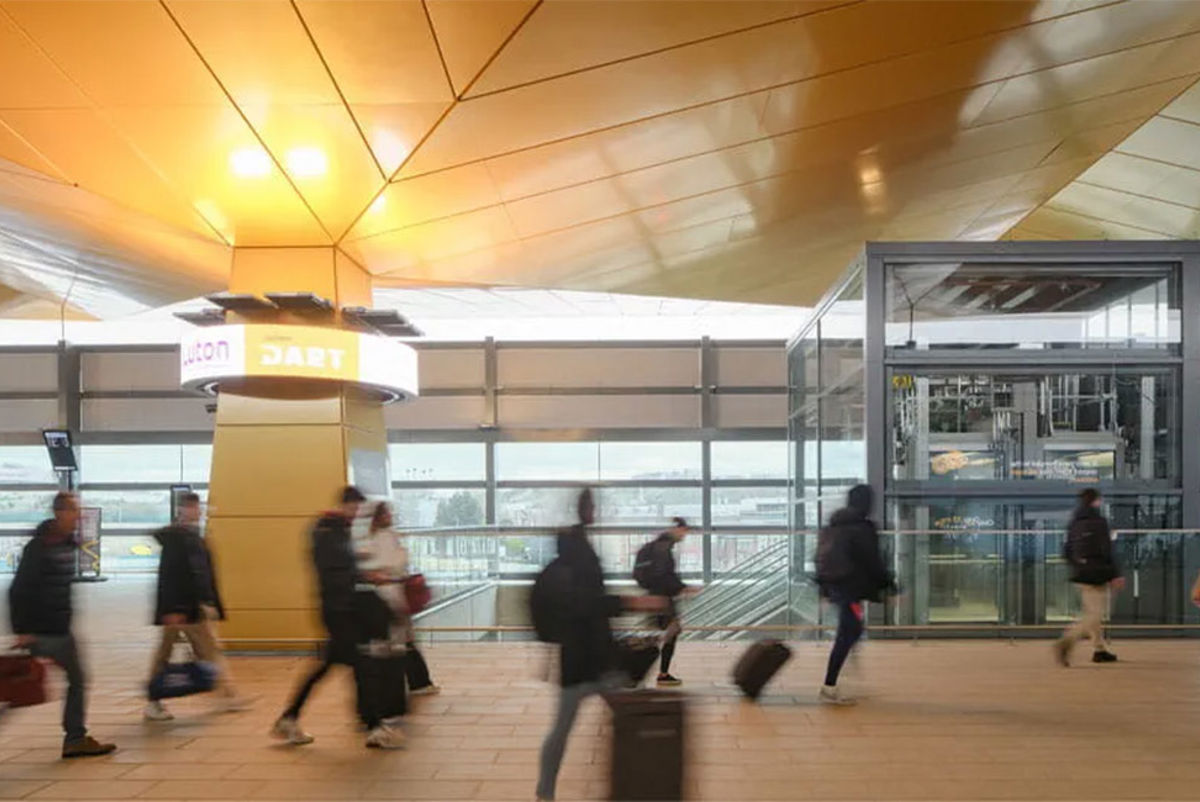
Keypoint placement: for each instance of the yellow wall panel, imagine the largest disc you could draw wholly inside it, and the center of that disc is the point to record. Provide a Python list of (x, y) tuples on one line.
[(276, 470), (271, 560), (259, 270), (273, 626), (353, 284), (243, 410)]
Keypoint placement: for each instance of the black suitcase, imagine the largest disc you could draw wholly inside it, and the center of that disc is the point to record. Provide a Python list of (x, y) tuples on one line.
[(758, 664), (647, 745), (635, 657)]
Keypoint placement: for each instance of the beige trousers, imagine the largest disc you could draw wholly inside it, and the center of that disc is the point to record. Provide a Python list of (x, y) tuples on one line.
[(1091, 620), (203, 640)]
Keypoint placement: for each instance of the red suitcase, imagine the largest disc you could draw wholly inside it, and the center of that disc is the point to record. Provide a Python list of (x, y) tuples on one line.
[(22, 680)]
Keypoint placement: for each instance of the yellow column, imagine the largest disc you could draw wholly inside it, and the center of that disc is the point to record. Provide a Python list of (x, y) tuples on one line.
[(281, 452)]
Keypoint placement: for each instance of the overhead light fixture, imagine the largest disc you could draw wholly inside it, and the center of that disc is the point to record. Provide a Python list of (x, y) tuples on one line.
[(250, 162), (241, 302), (388, 322), (306, 162), (304, 303), (378, 205), (203, 317)]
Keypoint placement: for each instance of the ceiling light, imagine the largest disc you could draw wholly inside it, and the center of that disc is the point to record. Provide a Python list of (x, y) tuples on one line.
[(306, 162), (250, 162), (378, 204)]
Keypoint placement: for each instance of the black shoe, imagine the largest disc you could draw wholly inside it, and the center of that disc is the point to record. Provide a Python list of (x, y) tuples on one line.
[(667, 681), (87, 747), (1104, 656)]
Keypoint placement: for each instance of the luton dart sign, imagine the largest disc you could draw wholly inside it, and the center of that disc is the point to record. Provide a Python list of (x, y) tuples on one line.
[(211, 355)]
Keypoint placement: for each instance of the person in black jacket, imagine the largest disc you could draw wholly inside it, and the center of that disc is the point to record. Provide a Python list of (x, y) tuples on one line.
[(587, 651), (40, 606), (187, 602), (658, 575), (1088, 551), (352, 619), (850, 569)]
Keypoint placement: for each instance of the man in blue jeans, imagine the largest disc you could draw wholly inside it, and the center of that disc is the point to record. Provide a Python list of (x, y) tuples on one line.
[(849, 570), (40, 606)]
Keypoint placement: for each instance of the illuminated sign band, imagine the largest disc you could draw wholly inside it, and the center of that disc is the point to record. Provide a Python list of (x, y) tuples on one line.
[(210, 355)]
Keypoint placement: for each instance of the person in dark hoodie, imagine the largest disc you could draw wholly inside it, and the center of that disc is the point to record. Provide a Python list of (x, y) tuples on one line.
[(41, 609), (587, 651), (850, 569), (186, 604), (1088, 550), (350, 620)]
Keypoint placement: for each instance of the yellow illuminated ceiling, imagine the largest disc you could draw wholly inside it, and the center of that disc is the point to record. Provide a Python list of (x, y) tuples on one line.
[(735, 150)]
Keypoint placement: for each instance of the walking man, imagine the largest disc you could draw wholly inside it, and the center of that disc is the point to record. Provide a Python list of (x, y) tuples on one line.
[(1094, 568), (850, 569), (41, 609), (187, 603)]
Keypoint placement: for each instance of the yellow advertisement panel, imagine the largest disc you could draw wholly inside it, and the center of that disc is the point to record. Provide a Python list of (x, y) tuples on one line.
[(302, 352)]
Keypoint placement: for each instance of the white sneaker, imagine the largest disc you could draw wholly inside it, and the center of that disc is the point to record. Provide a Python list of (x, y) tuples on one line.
[(234, 704), (428, 690), (385, 738), (156, 712), (830, 695), (393, 722), (288, 729)]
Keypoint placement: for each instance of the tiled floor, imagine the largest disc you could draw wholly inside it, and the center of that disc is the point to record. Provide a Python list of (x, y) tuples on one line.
[(961, 721)]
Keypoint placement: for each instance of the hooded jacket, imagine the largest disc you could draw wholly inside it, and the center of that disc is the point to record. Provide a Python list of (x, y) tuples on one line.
[(849, 565), (186, 580), (333, 559), (39, 599), (1088, 548), (586, 638)]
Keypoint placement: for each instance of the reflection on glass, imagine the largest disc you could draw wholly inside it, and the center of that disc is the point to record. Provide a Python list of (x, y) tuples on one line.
[(981, 305), (749, 506), (420, 508), (24, 508), (437, 462), (25, 465), (535, 506), (664, 460), (134, 463), (648, 506), (569, 462), (1119, 425), (130, 508)]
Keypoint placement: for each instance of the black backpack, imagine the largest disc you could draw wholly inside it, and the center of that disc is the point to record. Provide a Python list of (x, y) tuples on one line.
[(645, 566), (546, 600)]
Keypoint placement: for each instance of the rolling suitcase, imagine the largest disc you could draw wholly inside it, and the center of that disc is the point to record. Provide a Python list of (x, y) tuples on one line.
[(647, 745), (758, 664)]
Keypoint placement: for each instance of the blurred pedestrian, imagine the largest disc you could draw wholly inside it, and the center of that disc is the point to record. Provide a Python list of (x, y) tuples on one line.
[(655, 571), (41, 609), (187, 603), (570, 591), (1088, 551), (386, 551), (349, 623), (850, 569)]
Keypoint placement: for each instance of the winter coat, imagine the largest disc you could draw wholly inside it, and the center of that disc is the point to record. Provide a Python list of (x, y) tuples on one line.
[(186, 580), (39, 599), (1088, 549), (849, 564), (585, 636)]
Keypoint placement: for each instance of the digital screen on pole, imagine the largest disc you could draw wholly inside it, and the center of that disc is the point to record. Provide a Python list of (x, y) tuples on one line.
[(58, 443)]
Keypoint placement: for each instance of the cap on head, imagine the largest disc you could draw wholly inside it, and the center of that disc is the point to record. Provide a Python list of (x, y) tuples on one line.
[(352, 495)]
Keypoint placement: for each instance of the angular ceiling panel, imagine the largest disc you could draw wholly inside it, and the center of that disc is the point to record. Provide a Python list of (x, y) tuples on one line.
[(571, 35), (471, 32)]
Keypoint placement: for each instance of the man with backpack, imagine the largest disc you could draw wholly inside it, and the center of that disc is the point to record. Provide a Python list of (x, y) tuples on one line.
[(850, 569), (654, 571), (1088, 550), (569, 607)]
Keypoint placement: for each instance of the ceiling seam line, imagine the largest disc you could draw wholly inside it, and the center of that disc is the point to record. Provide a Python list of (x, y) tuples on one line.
[(1100, 219), (337, 88), (512, 34), (100, 112), (237, 108), (693, 196), (1183, 120), (425, 138), (1153, 160), (833, 9), (62, 179), (696, 106), (437, 43), (1139, 195)]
